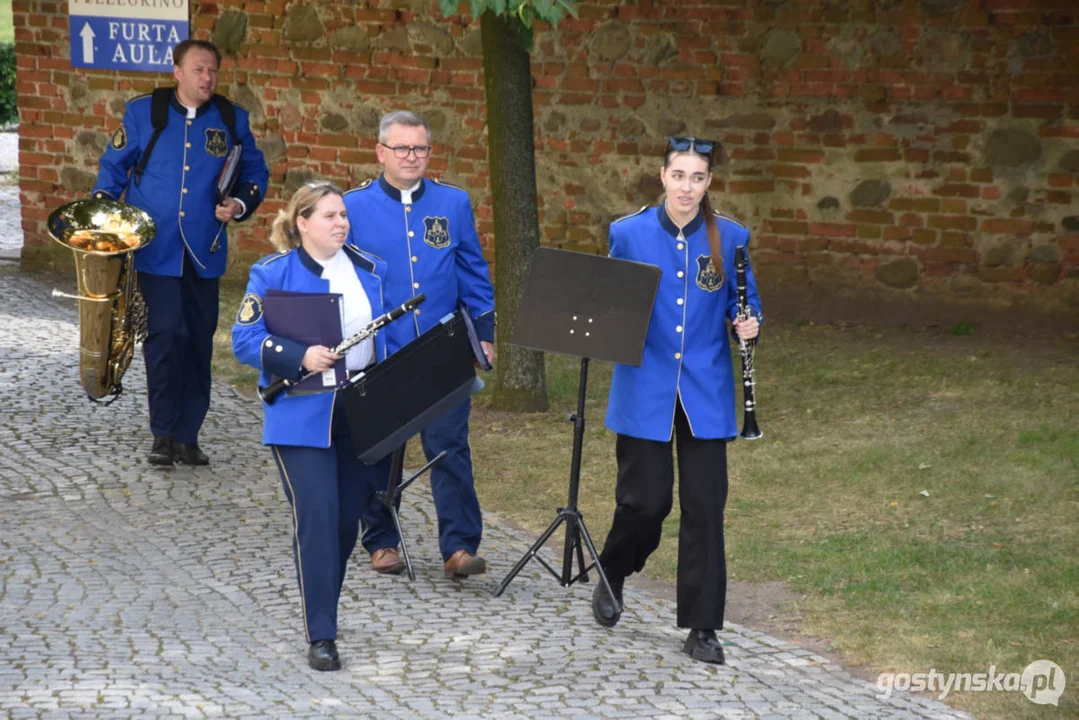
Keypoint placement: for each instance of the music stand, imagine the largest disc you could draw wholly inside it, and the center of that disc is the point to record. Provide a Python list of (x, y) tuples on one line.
[(590, 307), (401, 395)]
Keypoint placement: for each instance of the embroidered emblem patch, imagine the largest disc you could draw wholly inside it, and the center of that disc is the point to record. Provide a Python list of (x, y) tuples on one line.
[(119, 138), (707, 277), (215, 142), (436, 232), (250, 311)]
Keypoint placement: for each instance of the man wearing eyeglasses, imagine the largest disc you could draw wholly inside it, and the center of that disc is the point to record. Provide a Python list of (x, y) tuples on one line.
[(426, 233)]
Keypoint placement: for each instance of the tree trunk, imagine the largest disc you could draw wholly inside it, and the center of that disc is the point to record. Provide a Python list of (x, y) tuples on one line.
[(511, 154)]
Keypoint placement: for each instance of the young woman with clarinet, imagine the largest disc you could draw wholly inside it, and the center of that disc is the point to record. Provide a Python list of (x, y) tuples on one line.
[(682, 393), (325, 483)]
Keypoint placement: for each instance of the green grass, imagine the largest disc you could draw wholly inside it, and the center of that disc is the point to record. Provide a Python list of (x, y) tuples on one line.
[(918, 491), (7, 29)]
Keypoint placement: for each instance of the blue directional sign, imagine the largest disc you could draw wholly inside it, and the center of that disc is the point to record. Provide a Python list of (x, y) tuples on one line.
[(126, 34)]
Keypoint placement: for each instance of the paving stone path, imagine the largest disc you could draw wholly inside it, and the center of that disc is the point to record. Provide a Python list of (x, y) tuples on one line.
[(11, 236), (129, 591)]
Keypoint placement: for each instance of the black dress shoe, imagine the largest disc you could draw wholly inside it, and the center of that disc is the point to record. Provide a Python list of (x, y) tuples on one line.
[(604, 611), (161, 452), (703, 645), (322, 655), (189, 454)]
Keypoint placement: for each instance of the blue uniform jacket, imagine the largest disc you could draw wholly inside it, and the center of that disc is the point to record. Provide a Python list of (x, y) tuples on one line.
[(430, 246), (687, 350), (179, 187), (303, 419)]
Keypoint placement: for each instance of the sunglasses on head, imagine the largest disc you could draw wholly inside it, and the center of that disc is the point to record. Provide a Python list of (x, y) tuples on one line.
[(685, 144)]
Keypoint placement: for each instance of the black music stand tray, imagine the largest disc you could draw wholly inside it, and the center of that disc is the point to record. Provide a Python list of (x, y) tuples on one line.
[(588, 306), (401, 395)]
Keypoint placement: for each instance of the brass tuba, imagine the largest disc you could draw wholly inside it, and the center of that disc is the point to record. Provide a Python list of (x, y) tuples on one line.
[(104, 235)]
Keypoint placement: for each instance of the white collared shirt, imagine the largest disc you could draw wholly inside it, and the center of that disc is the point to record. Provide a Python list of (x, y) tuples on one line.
[(355, 307), (406, 195)]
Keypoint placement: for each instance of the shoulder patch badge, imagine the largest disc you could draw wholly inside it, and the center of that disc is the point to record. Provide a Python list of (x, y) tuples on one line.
[(215, 142), (250, 311), (436, 232), (707, 277), (119, 138)]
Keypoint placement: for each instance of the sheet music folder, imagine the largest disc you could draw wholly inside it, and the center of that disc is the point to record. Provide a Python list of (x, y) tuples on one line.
[(311, 319), (230, 174)]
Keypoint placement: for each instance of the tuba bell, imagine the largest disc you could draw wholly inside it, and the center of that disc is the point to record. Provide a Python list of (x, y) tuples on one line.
[(104, 235)]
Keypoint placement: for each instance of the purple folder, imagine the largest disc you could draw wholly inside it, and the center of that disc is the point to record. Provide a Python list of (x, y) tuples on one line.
[(311, 319)]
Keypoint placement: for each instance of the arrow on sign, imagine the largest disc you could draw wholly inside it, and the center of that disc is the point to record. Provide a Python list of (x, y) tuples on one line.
[(87, 35)]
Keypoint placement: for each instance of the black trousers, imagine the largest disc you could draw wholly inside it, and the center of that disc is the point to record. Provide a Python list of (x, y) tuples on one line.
[(644, 496)]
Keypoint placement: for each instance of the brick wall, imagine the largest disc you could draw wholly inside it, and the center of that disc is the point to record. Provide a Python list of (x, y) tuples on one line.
[(906, 148)]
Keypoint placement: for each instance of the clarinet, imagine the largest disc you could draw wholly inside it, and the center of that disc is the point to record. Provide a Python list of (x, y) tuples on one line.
[(750, 431), (271, 391)]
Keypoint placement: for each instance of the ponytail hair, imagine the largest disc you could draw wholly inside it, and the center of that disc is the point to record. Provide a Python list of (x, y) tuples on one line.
[(713, 235), (285, 234)]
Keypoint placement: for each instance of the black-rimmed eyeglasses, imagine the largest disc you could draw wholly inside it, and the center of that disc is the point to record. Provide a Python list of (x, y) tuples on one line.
[(403, 151), (685, 144)]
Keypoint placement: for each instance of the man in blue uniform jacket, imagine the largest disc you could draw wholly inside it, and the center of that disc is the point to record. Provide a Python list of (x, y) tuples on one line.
[(426, 233), (172, 173)]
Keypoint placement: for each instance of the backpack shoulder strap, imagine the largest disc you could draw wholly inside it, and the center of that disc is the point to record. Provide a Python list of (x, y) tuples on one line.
[(159, 108), (228, 114), (159, 118)]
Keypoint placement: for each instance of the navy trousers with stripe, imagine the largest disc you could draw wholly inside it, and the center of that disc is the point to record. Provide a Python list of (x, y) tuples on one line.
[(328, 489), (181, 320), (460, 521)]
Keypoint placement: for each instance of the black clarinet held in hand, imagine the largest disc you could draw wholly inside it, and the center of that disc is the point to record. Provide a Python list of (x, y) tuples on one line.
[(271, 391), (750, 431)]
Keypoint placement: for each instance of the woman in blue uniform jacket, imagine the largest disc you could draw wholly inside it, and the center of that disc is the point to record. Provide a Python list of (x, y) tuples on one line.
[(683, 392), (327, 486)]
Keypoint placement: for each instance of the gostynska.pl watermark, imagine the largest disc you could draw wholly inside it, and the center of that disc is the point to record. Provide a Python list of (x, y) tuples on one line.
[(1041, 682)]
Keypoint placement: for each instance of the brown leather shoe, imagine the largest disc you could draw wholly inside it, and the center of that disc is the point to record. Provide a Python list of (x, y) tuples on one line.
[(387, 561), (463, 563)]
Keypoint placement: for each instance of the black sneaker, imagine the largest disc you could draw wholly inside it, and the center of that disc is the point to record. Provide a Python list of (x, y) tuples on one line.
[(161, 452), (703, 645), (189, 454), (604, 611)]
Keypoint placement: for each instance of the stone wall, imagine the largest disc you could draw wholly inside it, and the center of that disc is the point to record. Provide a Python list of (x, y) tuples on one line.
[(898, 148)]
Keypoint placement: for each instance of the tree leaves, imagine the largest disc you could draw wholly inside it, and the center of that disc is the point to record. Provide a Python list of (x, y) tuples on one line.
[(524, 11), (519, 14), (447, 7)]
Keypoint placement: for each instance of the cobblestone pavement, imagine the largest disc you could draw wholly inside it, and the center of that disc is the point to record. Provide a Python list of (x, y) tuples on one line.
[(10, 219), (9, 152), (129, 591)]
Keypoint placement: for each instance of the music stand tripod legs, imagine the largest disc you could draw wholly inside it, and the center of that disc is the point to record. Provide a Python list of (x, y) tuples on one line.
[(391, 496), (575, 527)]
